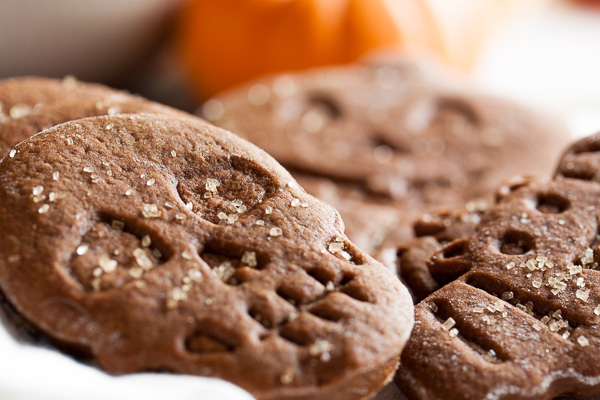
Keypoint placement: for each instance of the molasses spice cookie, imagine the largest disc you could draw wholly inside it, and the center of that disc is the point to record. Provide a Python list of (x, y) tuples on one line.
[(152, 243), (388, 140), (518, 313)]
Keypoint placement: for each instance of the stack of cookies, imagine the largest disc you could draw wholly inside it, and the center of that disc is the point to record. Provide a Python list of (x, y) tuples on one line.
[(141, 238), (517, 311), (508, 303)]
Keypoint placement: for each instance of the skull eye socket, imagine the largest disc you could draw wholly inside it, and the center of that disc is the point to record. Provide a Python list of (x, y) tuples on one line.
[(454, 113), (550, 203), (324, 105), (515, 242), (222, 192), (114, 252)]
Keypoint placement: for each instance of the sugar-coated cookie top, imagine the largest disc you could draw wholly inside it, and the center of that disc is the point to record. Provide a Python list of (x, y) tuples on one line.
[(156, 243), (518, 312), (29, 105)]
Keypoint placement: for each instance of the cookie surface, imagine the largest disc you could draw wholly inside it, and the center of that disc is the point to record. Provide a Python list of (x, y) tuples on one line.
[(388, 136), (33, 104), (518, 312), (154, 243), (410, 260), (19, 96)]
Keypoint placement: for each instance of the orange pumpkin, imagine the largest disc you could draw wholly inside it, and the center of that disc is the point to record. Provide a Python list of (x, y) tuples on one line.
[(227, 42)]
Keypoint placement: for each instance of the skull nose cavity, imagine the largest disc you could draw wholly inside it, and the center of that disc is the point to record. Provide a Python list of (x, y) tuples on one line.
[(233, 263)]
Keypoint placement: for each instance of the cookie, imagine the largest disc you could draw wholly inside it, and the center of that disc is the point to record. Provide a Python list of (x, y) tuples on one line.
[(390, 137), (433, 230), (34, 104), (20, 96), (369, 223), (152, 243), (518, 312)]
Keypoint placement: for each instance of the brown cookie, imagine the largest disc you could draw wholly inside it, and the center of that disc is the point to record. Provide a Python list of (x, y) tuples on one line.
[(35, 104), (411, 259), (519, 317), (390, 137), (154, 243), (369, 223), (20, 96)]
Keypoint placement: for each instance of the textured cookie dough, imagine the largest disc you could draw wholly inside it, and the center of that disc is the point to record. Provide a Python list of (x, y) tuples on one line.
[(518, 310), (383, 141), (29, 105), (151, 243)]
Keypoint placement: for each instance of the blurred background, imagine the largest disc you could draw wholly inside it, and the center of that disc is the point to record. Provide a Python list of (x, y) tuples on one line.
[(542, 53)]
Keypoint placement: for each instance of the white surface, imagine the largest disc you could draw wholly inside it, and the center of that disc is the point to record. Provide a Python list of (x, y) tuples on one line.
[(32, 373), (549, 59)]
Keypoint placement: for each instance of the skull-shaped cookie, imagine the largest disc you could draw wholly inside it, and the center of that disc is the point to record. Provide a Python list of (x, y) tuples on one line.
[(386, 140), (153, 243), (518, 316), (433, 230)]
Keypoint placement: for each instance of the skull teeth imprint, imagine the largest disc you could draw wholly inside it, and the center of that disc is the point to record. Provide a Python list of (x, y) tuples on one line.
[(518, 310), (166, 244)]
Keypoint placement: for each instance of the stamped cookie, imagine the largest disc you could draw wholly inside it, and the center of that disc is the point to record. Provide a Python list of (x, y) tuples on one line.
[(519, 315), (411, 259), (33, 104), (388, 136), (152, 243)]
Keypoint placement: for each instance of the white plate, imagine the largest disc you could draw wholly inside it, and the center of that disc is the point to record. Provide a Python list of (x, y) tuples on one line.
[(29, 372)]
